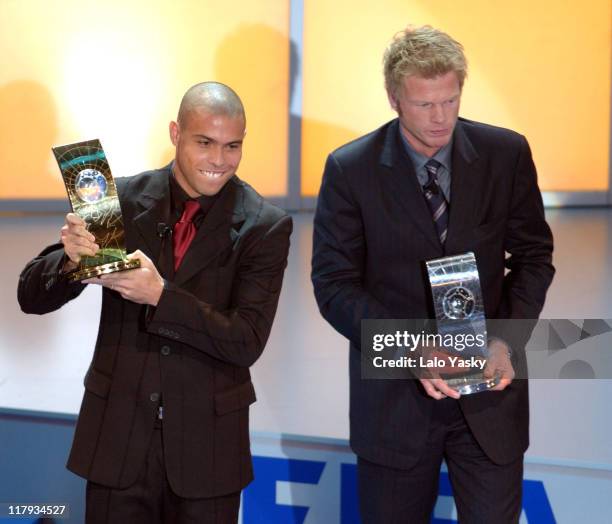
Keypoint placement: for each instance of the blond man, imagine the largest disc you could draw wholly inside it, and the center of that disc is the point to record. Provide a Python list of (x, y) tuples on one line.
[(374, 228)]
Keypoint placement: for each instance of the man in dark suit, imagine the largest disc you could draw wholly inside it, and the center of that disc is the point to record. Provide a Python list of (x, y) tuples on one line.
[(374, 229), (163, 431)]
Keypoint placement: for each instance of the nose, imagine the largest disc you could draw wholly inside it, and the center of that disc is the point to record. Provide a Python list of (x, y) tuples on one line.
[(437, 113), (217, 157)]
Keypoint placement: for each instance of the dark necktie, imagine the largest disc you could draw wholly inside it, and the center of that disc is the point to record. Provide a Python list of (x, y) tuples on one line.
[(435, 199), (184, 231)]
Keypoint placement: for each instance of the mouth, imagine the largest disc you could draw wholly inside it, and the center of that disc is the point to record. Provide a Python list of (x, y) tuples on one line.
[(211, 174), (439, 132)]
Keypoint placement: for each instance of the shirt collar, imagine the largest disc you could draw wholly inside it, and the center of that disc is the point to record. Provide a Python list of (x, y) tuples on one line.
[(443, 155)]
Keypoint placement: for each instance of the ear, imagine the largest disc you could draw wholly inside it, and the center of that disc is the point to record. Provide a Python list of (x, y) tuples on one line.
[(173, 128)]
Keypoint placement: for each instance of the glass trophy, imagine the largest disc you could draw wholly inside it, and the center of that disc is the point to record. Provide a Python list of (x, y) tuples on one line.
[(460, 316), (93, 196)]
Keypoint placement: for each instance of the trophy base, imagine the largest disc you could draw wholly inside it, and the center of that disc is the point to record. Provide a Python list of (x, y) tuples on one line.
[(96, 271), (472, 384)]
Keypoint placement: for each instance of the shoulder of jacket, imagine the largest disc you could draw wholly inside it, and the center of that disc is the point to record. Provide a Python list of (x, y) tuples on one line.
[(481, 130), (140, 181), (363, 146), (256, 205)]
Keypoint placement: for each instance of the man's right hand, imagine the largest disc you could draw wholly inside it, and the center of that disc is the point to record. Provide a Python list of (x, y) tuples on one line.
[(430, 377), (437, 388), (77, 241)]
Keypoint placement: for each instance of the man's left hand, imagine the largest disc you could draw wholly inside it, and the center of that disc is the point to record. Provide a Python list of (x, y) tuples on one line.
[(499, 364), (143, 285)]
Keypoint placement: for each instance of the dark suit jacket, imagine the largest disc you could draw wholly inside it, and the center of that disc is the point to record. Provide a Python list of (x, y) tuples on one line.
[(195, 348), (373, 232)]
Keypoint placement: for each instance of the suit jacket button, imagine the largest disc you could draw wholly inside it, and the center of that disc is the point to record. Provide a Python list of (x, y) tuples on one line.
[(154, 397), (165, 350)]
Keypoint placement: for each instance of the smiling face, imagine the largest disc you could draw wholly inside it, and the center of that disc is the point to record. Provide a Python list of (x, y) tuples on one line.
[(428, 109), (208, 150)]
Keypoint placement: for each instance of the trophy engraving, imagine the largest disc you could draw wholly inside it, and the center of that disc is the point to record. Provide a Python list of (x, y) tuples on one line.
[(93, 196)]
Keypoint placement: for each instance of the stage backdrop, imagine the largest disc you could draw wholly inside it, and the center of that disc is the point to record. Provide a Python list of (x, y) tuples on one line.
[(541, 68), (115, 70)]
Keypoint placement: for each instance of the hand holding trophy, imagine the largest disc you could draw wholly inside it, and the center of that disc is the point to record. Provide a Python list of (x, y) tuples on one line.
[(460, 318)]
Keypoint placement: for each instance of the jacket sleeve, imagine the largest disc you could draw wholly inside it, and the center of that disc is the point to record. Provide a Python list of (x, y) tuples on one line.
[(529, 245), (42, 287), (237, 335), (338, 258)]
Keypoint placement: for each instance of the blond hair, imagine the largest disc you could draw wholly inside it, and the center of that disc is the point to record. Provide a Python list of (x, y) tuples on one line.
[(422, 51)]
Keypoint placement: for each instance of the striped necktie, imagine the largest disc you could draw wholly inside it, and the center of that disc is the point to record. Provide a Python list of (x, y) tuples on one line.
[(435, 199)]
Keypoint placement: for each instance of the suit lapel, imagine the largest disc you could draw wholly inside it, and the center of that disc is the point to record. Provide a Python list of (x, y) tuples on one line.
[(217, 233), (153, 208), (405, 189), (467, 180)]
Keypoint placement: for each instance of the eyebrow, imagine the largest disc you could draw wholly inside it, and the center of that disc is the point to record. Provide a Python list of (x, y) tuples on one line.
[(430, 102), (215, 141)]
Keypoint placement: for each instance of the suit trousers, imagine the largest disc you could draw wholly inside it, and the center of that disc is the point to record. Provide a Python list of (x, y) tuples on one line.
[(484, 492), (150, 500)]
